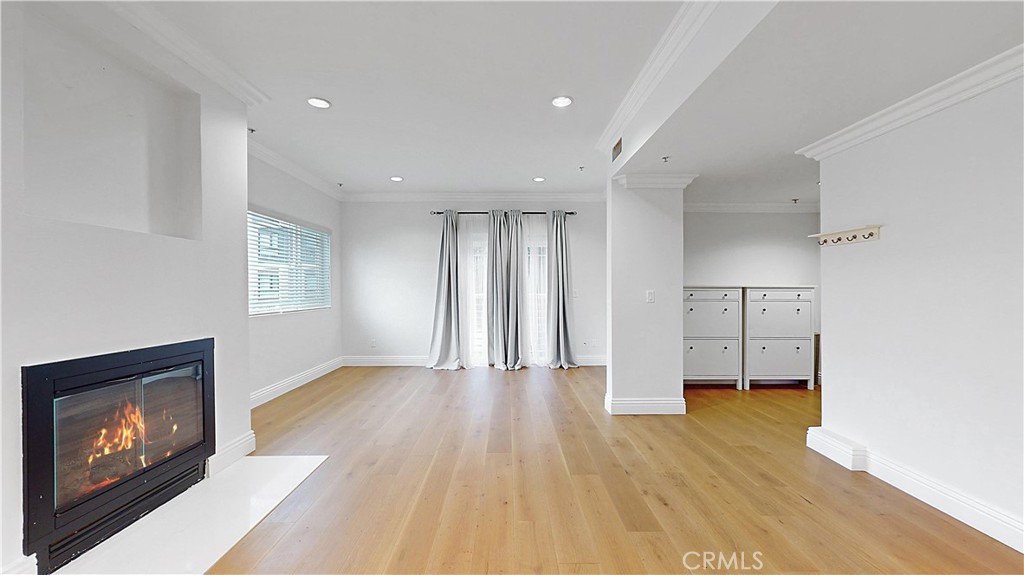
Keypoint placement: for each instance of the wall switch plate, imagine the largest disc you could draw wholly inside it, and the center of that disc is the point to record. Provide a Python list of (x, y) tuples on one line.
[(650, 296), (575, 293), (373, 343)]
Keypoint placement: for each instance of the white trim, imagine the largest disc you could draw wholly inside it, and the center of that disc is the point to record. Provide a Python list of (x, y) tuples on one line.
[(644, 405), (992, 522), (262, 152), (850, 455), (583, 360), (596, 196), (752, 208), (655, 181), (990, 74), (22, 565), (386, 360), (231, 452), (177, 42), (680, 33), (274, 390)]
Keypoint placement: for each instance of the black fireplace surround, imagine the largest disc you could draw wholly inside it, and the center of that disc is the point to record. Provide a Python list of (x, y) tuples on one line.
[(108, 439)]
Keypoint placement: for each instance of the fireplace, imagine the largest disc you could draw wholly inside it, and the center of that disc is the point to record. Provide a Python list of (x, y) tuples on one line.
[(108, 439)]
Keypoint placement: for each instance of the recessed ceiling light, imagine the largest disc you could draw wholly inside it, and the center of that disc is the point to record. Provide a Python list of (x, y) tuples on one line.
[(319, 103), (539, 179), (561, 101), (397, 178)]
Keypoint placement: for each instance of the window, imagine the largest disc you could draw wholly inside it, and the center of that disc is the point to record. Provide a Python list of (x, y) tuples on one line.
[(289, 266)]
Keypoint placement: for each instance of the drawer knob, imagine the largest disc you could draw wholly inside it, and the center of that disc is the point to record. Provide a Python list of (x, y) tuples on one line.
[(691, 309), (763, 348), (726, 347), (725, 295), (798, 295), (797, 310), (691, 295), (763, 310), (691, 347), (798, 348), (764, 295), (725, 310)]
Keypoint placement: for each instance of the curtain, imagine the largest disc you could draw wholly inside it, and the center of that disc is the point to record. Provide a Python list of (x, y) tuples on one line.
[(504, 289), (473, 289), (444, 341), (560, 316)]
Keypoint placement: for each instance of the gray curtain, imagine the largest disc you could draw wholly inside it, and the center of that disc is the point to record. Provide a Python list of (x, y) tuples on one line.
[(444, 342), (560, 314), (504, 286)]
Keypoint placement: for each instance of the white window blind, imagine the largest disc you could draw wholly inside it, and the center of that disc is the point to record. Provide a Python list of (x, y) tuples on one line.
[(289, 266)]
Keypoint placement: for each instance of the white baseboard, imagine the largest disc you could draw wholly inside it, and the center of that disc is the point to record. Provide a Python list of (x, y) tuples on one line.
[(582, 360), (386, 360), (992, 522), (231, 452), (22, 565), (644, 405), (850, 455), (274, 390)]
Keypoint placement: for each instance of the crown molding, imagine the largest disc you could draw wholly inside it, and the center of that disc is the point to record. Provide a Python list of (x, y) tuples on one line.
[(170, 37), (752, 208), (655, 181), (261, 152), (680, 33), (465, 197), (986, 76)]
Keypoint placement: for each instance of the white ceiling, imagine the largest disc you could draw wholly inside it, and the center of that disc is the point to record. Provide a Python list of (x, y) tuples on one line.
[(808, 70), (454, 97)]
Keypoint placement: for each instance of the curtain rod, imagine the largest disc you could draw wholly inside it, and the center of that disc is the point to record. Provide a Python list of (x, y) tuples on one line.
[(437, 213)]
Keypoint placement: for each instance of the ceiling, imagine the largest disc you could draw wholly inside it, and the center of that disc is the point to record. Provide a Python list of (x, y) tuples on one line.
[(806, 71), (453, 97)]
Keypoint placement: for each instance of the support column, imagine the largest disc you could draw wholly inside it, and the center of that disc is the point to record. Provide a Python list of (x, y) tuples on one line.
[(645, 283)]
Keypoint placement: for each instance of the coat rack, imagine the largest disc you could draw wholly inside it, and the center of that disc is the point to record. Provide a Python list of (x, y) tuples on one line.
[(851, 236)]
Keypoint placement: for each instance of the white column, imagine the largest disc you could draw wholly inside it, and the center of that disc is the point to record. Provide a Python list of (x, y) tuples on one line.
[(645, 283)]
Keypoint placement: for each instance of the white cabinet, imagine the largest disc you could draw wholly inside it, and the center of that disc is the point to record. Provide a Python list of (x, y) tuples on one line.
[(778, 335), (712, 327)]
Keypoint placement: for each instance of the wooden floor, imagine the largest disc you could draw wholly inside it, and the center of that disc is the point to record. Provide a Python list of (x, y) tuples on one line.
[(487, 471)]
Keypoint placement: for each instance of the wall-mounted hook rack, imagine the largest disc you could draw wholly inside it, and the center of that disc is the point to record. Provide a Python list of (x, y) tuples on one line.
[(850, 236)]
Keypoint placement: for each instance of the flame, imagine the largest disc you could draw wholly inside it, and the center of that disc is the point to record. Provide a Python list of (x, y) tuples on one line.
[(130, 429)]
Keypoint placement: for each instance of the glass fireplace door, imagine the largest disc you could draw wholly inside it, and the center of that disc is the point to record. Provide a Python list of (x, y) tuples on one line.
[(106, 434)]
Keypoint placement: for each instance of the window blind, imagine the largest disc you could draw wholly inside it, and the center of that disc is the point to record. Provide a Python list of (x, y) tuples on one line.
[(289, 266)]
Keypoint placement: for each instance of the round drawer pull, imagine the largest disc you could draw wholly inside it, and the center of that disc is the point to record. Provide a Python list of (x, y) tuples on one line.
[(691, 295), (797, 310), (725, 310), (763, 348), (763, 310), (764, 295), (726, 347), (691, 309), (725, 295), (691, 347), (798, 348), (798, 295)]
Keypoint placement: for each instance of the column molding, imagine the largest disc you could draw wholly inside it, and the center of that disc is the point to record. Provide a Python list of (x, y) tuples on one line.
[(655, 181)]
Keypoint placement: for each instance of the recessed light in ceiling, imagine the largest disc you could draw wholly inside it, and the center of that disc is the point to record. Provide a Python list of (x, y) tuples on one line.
[(539, 179), (397, 178), (561, 101), (319, 103)]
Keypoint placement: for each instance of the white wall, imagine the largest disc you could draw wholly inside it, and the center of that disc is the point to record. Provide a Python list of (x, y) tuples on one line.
[(645, 252), (923, 328), (283, 347), (389, 258), (72, 289), (752, 249)]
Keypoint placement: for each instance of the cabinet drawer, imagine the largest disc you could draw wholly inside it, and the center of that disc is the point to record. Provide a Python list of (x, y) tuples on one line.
[(711, 294), (783, 358), (711, 319), (711, 358), (779, 295), (778, 319)]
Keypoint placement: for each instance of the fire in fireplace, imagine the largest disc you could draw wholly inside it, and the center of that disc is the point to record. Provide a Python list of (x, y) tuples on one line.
[(108, 439)]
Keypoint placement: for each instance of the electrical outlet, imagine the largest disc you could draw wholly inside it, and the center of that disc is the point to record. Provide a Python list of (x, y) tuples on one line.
[(373, 343), (575, 292), (650, 296)]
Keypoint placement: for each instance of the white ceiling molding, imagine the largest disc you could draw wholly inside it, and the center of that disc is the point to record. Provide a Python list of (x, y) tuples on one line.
[(681, 31), (261, 152), (752, 208), (655, 181), (464, 197), (990, 74), (172, 38)]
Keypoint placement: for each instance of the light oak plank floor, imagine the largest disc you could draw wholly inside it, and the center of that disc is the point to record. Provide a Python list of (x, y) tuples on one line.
[(484, 471)]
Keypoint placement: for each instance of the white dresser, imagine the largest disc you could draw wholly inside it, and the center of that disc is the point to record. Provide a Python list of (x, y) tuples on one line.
[(779, 334), (712, 328)]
